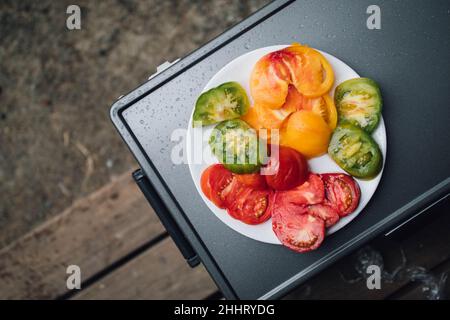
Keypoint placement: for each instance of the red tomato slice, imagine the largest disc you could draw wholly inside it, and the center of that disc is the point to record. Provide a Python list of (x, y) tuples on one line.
[(213, 181), (328, 214), (204, 182), (286, 170), (231, 192), (298, 230), (246, 204), (256, 207), (294, 226), (253, 180), (310, 192), (341, 192), (282, 205)]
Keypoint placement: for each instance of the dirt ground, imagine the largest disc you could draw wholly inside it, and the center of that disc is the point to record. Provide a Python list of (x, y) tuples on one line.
[(57, 143)]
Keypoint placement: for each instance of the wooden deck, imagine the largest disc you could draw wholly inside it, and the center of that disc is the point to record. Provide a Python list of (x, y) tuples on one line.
[(124, 253)]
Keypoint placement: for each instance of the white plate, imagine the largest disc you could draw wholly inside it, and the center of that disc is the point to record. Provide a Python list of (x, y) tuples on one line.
[(239, 70)]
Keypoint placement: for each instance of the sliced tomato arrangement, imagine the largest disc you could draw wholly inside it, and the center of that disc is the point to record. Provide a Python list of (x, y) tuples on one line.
[(293, 110), (341, 192), (300, 214), (302, 204)]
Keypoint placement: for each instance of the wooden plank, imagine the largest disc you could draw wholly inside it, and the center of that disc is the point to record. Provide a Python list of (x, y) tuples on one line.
[(427, 248), (158, 273), (93, 233)]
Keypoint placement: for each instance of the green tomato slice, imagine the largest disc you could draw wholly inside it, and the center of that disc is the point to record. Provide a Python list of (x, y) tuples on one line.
[(359, 102), (227, 101), (355, 151), (237, 147)]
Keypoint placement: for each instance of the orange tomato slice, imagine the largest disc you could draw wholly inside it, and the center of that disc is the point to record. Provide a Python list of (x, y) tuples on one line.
[(260, 116), (303, 67), (323, 106), (268, 81), (251, 117), (315, 77), (295, 100)]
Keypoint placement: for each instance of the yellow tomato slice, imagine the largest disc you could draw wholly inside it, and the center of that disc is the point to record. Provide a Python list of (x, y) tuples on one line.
[(331, 118), (306, 132)]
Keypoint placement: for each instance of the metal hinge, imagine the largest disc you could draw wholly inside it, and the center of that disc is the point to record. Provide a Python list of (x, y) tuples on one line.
[(163, 66)]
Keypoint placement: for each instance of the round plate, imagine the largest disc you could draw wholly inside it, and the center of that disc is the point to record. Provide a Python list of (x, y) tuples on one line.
[(239, 70)]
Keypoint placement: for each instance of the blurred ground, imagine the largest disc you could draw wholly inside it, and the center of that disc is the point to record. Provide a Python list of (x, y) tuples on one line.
[(56, 140)]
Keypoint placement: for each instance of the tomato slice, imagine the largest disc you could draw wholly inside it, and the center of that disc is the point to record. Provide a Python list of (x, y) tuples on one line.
[(294, 100), (300, 66), (268, 81), (330, 115), (253, 180), (323, 106), (255, 210), (286, 170), (204, 182), (316, 76), (341, 192), (213, 181), (325, 212), (246, 204), (230, 192), (310, 192), (297, 229)]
